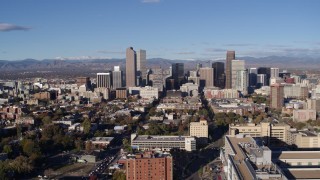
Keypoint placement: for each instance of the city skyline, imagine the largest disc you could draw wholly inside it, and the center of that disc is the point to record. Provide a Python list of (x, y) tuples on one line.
[(199, 30)]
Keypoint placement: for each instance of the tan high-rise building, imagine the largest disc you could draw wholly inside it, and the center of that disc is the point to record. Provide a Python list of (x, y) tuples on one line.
[(276, 96), (131, 68), (206, 77), (141, 63), (231, 55), (149, 166)]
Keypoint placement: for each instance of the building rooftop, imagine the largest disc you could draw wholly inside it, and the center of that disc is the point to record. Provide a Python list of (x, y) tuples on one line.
[(296, 155), (102, 139), (160, 138), (306, 173)]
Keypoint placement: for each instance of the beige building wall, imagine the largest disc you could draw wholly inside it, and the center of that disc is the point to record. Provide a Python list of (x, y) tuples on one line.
[(303, 141), (265, 129), (199, 129)]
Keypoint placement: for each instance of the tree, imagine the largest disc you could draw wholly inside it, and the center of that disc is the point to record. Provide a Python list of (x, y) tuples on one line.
[(29, 147), (86, 126), (3, 169), (119, 175), (19, 131), (79, 144), (241, 120), (7, 149), (203, 112), (47, 120), (126, 145), (89, 146), (21, 165)]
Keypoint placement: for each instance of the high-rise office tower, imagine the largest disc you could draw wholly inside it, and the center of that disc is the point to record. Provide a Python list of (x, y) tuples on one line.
[(276, 96), (131, 68), (104, 80), (266, 71), (237, 65), (261, 80), (84, 80), (141, 64), (193, 77), (231, 55), (242, 82), (116, 77), (218, 68), (239, 76), (206, 77), (274, 72), (199, 66), (253, 77), (156, 78), (177, 71), (253, 72)]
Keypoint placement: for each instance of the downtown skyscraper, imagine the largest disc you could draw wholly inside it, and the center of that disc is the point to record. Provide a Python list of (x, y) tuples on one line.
[(104, 80), (239, 76), (231, 55), (131, 68), (219, 79), (206, 77), (141, 65), (117, 77), (177, 74)]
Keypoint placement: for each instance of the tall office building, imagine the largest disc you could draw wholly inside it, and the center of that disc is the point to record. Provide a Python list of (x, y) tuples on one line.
[(177, 71), (141, 64), (274, 72), (104, 80), (84, 80), (206, 77), (236, 66), (116, 77), (231, 55), (239, 76), (253, 72), (218, 68), (261, 80), (266, 71), (276, 96), (131, 68), (199, 66)]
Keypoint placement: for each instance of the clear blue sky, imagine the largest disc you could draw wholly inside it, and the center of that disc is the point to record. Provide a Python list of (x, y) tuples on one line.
[(174, 29)]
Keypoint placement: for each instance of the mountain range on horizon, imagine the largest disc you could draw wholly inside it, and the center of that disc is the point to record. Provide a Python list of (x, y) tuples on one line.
[(284, 62)]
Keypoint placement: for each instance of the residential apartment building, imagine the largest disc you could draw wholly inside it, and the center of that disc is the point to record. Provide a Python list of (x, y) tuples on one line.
[(276, 96), (303, 115), (149, 165)]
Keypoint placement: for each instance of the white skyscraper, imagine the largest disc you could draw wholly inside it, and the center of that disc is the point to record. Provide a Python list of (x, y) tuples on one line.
[(239, 76), (104, 80), (274, 72), (117, 77), (141, 63), (261, 80)]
